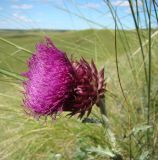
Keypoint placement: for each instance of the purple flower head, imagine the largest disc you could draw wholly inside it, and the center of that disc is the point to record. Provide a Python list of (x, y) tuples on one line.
[(55, 84), (49, 83)]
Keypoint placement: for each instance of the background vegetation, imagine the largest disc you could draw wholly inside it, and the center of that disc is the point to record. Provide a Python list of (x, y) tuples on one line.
[(131, 71)]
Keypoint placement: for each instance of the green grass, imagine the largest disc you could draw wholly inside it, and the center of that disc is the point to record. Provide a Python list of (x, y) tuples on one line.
[(23, 138)]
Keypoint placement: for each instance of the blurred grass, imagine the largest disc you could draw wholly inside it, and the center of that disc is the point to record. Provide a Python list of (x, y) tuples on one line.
[(22, 137), (84, 44)]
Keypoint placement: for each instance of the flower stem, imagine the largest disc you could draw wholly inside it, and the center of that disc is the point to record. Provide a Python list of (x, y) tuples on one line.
[(102, 107), (105, 123)]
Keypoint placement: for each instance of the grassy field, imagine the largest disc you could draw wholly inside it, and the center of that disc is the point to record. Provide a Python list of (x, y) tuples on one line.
[(126, 131)]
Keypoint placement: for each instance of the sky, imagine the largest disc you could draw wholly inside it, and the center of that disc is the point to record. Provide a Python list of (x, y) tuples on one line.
[(64, 14)]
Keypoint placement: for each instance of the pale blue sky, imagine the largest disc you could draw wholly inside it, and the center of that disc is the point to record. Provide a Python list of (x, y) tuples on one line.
[(62, 14)]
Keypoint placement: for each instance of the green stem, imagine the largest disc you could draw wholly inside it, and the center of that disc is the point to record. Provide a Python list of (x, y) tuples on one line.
[(11, 74), (149, 71), (14, 45), (103, 112), (102, 107), (139, 38)]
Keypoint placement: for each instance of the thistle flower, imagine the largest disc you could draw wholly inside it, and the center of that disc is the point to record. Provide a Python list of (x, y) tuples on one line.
[(89, 88), (50, 81), (55, 84)]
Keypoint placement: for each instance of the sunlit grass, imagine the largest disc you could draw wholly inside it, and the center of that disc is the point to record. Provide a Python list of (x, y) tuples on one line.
[(130, 60)]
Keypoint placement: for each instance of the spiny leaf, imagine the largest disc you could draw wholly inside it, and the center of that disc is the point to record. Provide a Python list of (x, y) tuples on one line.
[(140, 128), (102, 151), (144, 155)]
